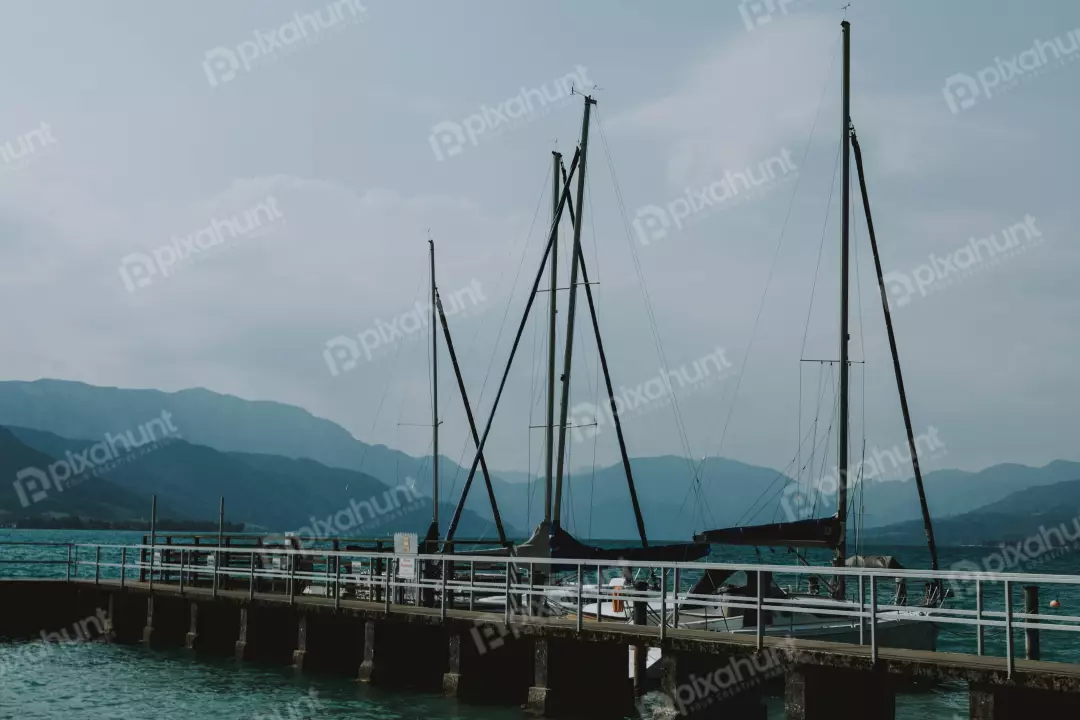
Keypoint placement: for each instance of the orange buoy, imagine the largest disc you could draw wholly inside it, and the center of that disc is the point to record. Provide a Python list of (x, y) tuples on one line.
[(1055, 604)]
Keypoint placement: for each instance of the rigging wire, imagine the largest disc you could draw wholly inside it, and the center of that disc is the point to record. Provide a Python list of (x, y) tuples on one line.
[(860, 516), (772, 266), (780, 475), (651, 316), (813, 288), (502, 324), (386, 389), (596, 402)]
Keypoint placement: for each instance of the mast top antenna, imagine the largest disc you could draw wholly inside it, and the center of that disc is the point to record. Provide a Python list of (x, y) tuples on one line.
[(588, 98)]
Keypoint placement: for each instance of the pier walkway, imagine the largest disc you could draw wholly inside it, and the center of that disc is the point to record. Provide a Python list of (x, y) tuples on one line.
[(483, 628)]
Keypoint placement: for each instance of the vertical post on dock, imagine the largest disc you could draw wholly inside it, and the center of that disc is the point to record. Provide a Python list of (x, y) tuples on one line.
[(337, 580), (472, 582), (663, 603), (640, 650), (1011, 655), (580, 590), (599, 597), (123, 566), (675, 601), (386, 592), (862, 609), (251, 578), (220, 536), (979, 616), (153, 533), (181, 571), (292, 576), (442, 595), (1031, 635), (873, 619), (760, 616), (97, 567), (506, 609)]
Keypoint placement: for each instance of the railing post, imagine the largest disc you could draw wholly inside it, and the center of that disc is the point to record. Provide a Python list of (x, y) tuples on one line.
[(675, 613), (292, 577), (862, 609), (979, 616), (506, 609), (873, 619), (472, 582), (217, 566), (580, 590), (97, 564), (181, 571), (337, 582), (529, 594), (1031, 635), (442, 596), (123, 566), (69, 563), (760, 614), (663, 603), (1009, 629), (150, 573), (251, 576), (386, 591), (599, 596)]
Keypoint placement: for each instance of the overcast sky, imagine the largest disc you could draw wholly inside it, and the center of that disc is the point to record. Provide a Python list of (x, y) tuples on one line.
[(129, 127)]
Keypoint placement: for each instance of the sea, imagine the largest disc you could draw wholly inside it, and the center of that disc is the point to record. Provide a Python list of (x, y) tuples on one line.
[(96, 680)]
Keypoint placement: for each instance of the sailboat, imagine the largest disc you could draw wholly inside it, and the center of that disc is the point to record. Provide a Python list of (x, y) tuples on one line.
[(550, 539), (898, 628), (901, 628)]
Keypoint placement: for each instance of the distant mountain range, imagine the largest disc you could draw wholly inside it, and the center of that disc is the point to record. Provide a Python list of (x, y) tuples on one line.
[(279, 466), (1020, 515)]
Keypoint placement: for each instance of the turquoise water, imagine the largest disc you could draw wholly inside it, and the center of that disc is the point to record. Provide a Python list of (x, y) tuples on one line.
[(98, 680)]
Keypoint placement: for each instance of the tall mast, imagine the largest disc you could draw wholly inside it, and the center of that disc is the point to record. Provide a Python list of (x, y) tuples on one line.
[(568, 349), (434, 400), (842, 456), (549, 431)]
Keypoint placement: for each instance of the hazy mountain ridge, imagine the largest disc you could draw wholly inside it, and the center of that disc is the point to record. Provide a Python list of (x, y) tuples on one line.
[(270, 492), (1022, 514), (268, 445)]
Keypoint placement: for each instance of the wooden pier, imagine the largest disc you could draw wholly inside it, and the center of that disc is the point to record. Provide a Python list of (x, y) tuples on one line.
[(421, 634)]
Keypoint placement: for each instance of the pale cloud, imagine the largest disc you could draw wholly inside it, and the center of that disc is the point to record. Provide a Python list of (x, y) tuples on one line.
[(758, 92)]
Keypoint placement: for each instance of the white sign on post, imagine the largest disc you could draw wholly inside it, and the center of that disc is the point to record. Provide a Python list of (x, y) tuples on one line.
[(406, 544)]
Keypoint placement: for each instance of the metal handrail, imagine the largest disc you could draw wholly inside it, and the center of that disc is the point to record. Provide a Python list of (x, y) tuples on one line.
[(379, 573)]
